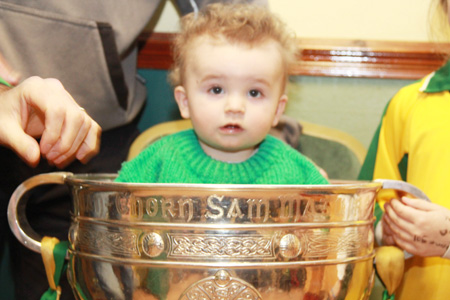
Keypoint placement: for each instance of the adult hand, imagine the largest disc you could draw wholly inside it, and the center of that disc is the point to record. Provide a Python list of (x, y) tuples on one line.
[(417, 226), (43, 108)]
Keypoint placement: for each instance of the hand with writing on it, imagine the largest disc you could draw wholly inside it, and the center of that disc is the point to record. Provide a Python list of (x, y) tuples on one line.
[(40, 107), (417, 226)]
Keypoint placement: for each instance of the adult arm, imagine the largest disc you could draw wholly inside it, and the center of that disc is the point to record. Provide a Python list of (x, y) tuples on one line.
[(385, 156)]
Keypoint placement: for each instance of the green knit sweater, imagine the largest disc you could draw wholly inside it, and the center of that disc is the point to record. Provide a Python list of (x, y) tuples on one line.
[(179, 158)]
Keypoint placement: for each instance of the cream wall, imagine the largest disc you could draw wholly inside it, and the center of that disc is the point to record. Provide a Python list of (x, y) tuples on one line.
[(403, 20)]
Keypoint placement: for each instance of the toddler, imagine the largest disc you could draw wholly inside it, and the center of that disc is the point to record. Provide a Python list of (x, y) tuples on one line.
[(231, 66)]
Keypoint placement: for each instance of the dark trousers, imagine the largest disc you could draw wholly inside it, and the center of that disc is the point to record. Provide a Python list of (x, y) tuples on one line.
[(49, 207)]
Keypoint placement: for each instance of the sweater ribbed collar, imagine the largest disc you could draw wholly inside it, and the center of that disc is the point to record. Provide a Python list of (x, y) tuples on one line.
[(245, 172)]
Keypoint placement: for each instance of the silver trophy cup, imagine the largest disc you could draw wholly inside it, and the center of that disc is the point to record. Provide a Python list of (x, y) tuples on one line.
[(203, 241)]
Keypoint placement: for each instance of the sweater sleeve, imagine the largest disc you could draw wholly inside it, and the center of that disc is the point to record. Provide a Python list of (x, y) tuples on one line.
[(388, 148), (392, 151)]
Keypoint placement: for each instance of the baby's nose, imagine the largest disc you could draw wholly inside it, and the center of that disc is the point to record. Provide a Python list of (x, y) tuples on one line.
[(235, 103)]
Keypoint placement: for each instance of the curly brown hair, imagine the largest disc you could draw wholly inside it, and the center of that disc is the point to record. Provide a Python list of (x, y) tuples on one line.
[(246, 24)]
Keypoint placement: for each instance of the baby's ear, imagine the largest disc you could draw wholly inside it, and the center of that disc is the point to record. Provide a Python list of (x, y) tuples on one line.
[(280, 109), (182, 101)]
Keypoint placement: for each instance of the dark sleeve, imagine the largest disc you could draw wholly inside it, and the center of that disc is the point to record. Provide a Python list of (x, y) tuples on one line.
[(186, 6)]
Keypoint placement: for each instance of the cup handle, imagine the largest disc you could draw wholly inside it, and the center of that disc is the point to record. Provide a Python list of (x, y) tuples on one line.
[(17, 218), (403, 186)]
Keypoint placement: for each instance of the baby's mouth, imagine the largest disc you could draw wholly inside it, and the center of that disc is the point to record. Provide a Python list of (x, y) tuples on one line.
[(231, 128)]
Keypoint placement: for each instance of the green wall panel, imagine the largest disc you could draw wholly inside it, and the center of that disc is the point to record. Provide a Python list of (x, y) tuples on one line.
[(161, 105)]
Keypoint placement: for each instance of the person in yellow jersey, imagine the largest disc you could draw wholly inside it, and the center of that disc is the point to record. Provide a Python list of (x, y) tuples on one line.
[(412, 144)]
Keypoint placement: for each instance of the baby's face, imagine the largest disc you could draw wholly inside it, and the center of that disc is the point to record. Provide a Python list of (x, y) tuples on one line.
[(233, 94)]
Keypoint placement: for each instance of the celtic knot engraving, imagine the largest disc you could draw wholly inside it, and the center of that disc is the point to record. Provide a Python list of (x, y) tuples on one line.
[(322, 243), (101, 240), (221, 246), (221, 286)]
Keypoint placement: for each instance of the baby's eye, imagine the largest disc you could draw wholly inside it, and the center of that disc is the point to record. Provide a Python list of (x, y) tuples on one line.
[(216, 90), (254, 93)]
